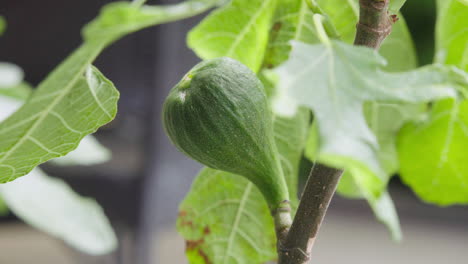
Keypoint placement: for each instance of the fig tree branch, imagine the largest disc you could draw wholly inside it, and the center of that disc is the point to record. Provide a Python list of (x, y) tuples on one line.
[(317, 194), (375, 24)]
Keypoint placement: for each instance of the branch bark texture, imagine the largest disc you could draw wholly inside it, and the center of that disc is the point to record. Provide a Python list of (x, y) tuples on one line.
[(317, 194), (295, 246), (375, 23)]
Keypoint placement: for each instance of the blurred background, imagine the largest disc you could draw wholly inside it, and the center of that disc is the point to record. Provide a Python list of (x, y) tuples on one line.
[(141, 187)]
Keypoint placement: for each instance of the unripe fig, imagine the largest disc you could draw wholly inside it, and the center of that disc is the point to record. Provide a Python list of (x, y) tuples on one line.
[(218, 114)]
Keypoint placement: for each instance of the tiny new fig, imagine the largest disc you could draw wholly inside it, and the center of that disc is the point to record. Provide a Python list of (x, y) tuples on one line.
[(218, 114)]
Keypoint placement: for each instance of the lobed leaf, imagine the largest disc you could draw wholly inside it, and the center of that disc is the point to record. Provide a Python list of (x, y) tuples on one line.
[(398, 49), (336, 81)]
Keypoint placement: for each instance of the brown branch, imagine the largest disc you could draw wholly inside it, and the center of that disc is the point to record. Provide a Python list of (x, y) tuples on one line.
[(295, 245), (319, 190), (375, 23)]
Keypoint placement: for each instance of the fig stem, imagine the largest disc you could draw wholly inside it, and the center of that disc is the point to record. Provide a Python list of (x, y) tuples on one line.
[(282, 219)]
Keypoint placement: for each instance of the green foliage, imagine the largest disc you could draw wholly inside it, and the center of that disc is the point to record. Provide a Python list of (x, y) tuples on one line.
[(224, 217), (345, 141), (368, 150), (75, 99), (382, 118), (395, 5), (30, 136), (218, 114), (451, 33), (359, 108), (432, 150), (433, 154), (292, 21), (46, 203), (238, 30), (88, 153), (290, 135), (122, 18), (397, 49)]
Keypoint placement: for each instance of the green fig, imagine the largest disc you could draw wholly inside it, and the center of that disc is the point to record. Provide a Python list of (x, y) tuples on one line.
[(218, 114)]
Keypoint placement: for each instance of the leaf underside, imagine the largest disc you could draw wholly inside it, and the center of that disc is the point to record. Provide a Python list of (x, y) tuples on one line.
[(343, 78), (50, 205)]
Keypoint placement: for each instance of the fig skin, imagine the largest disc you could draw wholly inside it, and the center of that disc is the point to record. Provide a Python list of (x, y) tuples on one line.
[(218, 115)]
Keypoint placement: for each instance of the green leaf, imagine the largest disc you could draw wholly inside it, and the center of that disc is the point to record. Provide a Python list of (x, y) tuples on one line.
[(292, 21), (397, 49), (396, 5), (20, 91), (50, 205), (290, 137), (439, 176), (53, 122), (89, 151), (122, 18), (224, 217), (334, 80), (98, 238), (452, 33), (382, 206), (238, 30), (385, 211), (384, 119), (68, 105), (432, 154)]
